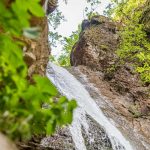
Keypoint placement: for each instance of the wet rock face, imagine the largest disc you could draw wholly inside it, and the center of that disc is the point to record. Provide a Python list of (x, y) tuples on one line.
[(97, 44), (61, 140), (96, 49), (96, 139), (114, 106)]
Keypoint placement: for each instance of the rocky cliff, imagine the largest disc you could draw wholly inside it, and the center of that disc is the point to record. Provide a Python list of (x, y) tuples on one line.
[(36, 52), (95, 56), (96, 49)]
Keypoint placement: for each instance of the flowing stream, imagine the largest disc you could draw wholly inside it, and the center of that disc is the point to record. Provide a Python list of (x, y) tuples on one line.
[(69, 86)]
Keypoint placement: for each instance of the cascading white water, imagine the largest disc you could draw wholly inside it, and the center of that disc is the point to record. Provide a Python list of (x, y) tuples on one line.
[(69, 86)]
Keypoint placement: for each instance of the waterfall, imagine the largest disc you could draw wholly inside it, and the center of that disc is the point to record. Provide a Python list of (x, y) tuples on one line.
[(69, 86)]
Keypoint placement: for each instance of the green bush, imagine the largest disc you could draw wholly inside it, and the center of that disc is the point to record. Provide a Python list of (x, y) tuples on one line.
[(134, 46)]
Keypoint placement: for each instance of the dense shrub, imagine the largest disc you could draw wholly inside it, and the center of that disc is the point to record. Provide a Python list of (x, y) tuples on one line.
[(21, 111), (134, 46)]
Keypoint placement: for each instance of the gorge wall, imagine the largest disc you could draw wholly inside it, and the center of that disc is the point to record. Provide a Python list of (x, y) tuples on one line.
[(96, 49), (37, 52), (95, 56)]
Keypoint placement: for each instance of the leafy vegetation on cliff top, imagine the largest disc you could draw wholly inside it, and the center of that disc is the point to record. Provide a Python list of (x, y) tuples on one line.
[(135, 44)]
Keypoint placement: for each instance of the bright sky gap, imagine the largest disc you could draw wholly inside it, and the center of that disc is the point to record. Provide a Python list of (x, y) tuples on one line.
[(74, 14)]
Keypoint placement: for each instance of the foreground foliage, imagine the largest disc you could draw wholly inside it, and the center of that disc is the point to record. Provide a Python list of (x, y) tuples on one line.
[(21, 103)]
